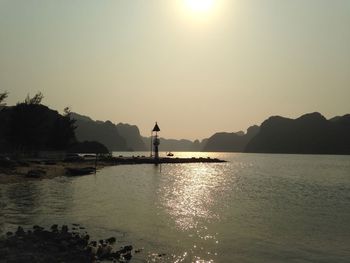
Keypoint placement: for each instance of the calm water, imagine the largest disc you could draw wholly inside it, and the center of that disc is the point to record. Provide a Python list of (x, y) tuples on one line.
[(255, 208)]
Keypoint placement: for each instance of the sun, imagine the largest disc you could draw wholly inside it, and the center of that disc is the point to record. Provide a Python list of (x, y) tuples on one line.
[(200, 6)]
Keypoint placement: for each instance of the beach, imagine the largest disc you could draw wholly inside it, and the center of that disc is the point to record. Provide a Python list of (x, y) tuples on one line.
[(20, 170)]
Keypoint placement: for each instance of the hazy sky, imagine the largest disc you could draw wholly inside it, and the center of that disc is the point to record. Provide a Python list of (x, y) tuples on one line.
[(195, 72)]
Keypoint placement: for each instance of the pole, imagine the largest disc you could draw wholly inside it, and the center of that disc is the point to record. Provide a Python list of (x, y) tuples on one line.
[(151, 143)]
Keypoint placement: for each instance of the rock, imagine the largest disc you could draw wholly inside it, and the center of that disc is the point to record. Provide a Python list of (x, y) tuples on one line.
[(46, 234), (128, 248), (35, 173), (64, 243), (50, 162), (128, 256), (5, 162), (111, 240), (20, 231), (4, 252), (54, 228), (105, 251), (64, 229), (138, 250), (92, 249), (37, 229), (41, 245)]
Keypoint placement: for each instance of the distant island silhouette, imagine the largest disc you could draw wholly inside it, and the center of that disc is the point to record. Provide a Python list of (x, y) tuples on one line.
[(309, 134), (120, 137), (30, 127), (230, 142)]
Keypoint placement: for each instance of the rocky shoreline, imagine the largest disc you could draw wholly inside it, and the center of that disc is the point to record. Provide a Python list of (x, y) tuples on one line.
[(59, 244)]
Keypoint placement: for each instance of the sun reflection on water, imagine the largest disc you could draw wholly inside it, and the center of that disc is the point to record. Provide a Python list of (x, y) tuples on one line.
[(189, 197)]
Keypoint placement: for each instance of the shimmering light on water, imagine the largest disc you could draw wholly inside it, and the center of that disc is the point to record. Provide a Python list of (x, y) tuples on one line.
[(255, 208), (190, 193)]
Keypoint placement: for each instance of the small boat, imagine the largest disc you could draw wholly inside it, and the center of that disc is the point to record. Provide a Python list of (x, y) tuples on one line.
[(80, 171), (170, 154)]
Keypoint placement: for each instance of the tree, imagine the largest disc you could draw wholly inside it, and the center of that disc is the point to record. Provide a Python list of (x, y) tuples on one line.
[(3, 96), (29, 127), (63, 132), (4, 120), (67, 111), (36, 100)]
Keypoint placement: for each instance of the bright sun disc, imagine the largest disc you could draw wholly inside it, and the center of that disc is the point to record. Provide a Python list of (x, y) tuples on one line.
[(200, 5)]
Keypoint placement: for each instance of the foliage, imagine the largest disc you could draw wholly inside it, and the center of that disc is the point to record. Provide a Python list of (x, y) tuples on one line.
[(3, 96), (36, 100), (67, 111), (30, 126), (88, 147), (63, 133)]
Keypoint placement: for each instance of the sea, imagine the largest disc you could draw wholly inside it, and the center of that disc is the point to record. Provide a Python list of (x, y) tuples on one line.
[(253, 208)]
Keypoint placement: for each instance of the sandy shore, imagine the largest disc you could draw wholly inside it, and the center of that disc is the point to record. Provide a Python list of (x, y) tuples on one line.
[(19, 172)]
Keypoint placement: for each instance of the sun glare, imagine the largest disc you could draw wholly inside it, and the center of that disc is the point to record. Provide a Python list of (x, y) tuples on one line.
[(200, 6)]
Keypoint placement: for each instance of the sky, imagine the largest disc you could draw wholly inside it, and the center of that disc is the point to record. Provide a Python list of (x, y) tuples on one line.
[(195, 67)]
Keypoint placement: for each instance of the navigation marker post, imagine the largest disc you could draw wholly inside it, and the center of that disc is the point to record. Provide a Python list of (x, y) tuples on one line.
[(156, 143)]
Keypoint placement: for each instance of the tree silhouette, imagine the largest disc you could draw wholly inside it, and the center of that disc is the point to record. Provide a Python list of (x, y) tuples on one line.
[(4, 145), (35, 100), (3, 96), (33, 127), (63, 132), (29, 125), (67, 111)]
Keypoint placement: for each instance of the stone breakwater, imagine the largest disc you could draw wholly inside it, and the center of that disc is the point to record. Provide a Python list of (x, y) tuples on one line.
[(58, 244), (164, 160)]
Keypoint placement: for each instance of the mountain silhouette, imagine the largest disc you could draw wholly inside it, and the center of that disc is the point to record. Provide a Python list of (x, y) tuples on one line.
[(230, 142), (120, 137), (132, 136), (103, 132), (309, 134), (175, 145)]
